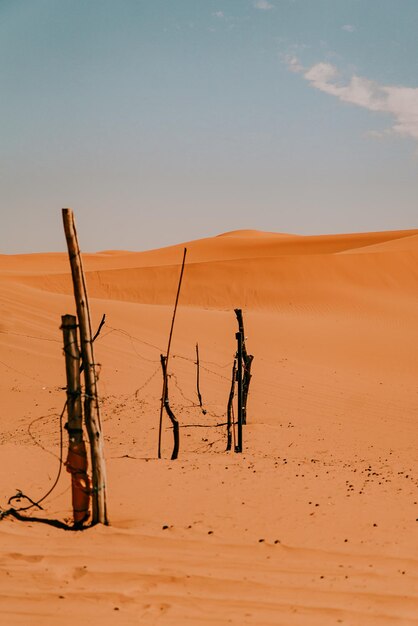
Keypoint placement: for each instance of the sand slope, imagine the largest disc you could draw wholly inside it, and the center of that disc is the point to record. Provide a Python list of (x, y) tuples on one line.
[(316, 523)]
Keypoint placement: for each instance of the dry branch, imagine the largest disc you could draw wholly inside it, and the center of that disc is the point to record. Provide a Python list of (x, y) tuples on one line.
[(166, 404), (199, 395)]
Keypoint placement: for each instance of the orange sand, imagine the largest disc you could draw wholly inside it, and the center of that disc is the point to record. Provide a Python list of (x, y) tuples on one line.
[(328, 478)]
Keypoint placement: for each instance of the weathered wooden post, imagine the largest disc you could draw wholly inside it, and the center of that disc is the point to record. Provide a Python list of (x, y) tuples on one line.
[(76, 463), (91, 402), (238, 447)]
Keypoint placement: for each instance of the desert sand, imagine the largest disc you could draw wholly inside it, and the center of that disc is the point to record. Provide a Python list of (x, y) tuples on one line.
[(316, 523)]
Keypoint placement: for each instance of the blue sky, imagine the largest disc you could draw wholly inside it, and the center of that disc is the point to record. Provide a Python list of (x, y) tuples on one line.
[(160, 121)]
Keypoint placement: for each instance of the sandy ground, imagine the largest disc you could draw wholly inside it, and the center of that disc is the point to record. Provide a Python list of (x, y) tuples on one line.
[(316, 523)]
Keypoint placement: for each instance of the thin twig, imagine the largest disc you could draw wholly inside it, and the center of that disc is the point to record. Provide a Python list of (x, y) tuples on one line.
[(95, 336), (100, 327)]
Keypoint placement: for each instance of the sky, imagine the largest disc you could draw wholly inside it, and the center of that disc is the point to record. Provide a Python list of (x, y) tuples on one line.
[(162, 121)]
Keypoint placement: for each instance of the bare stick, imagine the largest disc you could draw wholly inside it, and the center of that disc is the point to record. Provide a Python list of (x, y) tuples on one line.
[(168, 352), (230, 407), (174, 421), (91, 402), (198, 376), (76, 462), (102, 321)]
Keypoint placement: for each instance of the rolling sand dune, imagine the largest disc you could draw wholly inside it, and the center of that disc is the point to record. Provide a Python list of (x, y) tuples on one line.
[(316, 523)]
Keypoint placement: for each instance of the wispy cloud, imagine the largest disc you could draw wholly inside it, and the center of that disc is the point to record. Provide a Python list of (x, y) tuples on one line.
[(400, 102), (219, 14), (293, 63), (263, 5), (349, 28)]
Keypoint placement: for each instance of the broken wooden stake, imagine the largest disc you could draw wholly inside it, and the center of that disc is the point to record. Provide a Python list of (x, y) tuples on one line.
[(76, 462)]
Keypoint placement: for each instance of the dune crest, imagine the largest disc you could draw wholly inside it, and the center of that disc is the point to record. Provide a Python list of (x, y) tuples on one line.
[(264, 272)]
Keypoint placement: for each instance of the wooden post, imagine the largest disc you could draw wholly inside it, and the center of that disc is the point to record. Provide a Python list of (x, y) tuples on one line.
[(238, 447), (76, 463), (91, 402)]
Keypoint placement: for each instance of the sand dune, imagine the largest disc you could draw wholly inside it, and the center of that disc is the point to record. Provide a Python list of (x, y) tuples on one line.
[(249, 269), (314, 524)]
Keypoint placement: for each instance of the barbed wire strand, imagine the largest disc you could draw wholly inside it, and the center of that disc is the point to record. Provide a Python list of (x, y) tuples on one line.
[(36, 503)]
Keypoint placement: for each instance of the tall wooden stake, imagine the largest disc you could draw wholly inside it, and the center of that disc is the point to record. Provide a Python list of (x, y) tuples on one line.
[(91, 402), (165, 370), (76, 463)]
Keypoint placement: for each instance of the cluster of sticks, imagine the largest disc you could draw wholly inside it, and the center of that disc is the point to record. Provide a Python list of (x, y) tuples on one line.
[(241, 377)]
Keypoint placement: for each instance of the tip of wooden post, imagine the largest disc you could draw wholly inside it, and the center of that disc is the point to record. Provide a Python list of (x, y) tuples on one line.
[(67, 217), (68, 320)]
